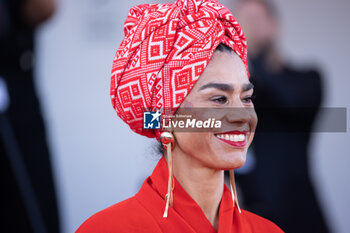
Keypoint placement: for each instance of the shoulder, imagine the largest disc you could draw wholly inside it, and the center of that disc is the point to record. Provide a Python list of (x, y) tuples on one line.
[(259, 224), (126, 216)]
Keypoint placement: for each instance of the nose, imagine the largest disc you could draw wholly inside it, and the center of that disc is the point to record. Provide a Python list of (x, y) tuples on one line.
[(239, 115)]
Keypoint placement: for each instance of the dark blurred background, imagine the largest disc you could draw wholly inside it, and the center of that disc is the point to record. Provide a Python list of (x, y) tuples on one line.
[(96, 160)]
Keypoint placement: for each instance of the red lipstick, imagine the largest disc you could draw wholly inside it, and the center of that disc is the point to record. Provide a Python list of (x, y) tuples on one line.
[(233, 138)]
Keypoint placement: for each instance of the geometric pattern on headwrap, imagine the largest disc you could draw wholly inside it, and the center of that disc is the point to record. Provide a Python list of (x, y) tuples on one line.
[(165, 49)]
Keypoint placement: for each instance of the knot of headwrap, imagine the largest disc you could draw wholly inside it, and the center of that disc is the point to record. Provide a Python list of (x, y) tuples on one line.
[(165, 49)]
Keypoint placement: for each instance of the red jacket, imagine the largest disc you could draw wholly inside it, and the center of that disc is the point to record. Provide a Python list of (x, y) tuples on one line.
[(144, 212)]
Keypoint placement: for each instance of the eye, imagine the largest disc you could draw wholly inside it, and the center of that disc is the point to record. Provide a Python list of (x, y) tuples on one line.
[(219, 99), (248, 99)]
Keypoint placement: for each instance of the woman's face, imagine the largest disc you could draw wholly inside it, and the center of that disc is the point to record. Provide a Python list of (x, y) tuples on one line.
[(223, 89)]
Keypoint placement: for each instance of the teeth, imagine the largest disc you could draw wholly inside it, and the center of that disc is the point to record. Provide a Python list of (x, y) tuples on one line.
[(232, 137)]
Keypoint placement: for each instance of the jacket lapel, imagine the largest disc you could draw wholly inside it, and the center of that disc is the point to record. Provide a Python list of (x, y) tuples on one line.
[(186, 215)]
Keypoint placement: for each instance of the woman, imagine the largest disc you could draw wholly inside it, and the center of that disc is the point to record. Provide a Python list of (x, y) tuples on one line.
[(174, 57)]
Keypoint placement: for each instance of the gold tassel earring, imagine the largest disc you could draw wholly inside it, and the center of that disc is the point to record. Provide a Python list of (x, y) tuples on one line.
[(167, 139), (233, 190)]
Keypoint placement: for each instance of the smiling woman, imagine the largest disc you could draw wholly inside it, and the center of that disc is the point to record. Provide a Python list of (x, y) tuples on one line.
[(224, 84), (176, 57)]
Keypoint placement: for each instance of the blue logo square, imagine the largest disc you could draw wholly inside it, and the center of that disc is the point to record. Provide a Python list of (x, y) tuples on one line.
[(151, 120)]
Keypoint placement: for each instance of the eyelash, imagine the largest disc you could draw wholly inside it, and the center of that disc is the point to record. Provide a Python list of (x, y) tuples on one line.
[(223, 99), (250, 98)]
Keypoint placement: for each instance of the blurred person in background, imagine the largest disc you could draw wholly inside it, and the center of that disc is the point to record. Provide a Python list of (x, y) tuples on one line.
[(278, 186), (28, 200)]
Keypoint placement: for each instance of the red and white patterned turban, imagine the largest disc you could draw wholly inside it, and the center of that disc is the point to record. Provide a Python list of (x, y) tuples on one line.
[(165, 49)]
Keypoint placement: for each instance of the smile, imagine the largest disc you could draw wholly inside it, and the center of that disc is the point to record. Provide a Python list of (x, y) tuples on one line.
[(234, 138)]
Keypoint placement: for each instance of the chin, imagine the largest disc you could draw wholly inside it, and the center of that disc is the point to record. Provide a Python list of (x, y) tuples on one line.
[(229, 161), (236, 160)]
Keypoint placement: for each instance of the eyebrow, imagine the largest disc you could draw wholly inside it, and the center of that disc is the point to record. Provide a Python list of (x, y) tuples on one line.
[(220, 86), (247, 86), (226, 87)]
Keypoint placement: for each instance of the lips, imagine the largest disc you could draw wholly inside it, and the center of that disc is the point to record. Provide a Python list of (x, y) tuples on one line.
[(233, 138)]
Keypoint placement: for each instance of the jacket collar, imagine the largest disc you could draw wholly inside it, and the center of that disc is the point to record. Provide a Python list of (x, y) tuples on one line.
[(184, 207)]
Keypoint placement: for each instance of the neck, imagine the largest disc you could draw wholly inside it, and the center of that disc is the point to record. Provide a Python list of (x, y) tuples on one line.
[(203, 184)]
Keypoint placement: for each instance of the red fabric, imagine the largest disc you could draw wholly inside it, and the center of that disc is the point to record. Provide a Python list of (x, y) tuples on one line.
[(165, 50), (144, 212)]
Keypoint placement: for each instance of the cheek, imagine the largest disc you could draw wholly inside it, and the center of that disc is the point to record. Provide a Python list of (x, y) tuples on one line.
[(205, 149), (196, 145), (253, 123), (191, 143)]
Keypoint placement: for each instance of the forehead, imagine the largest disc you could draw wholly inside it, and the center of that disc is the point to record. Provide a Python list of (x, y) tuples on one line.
[(224, 67)]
